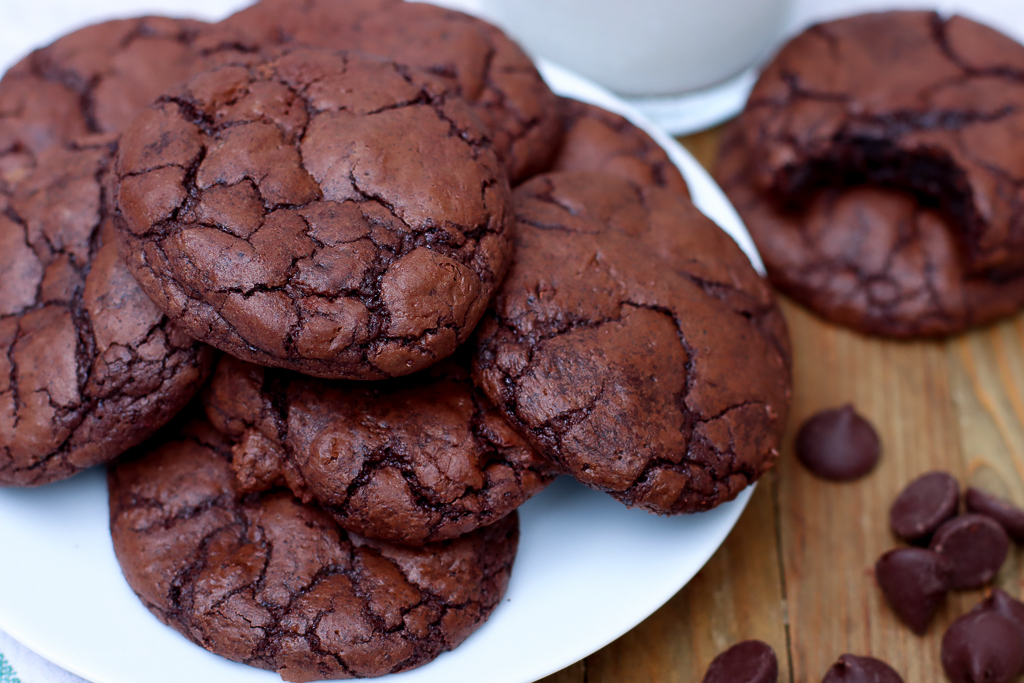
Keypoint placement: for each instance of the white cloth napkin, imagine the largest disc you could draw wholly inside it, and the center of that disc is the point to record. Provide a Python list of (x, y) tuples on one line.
[(18, 664)]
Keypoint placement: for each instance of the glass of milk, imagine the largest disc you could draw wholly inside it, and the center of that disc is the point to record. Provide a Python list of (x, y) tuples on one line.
[(686, 63)]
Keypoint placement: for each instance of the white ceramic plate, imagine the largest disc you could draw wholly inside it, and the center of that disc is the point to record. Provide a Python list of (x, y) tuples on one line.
[(588, 569)]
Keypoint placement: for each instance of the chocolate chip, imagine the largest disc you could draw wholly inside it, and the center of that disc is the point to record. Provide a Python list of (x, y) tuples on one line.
[(1005, 605), (915, 582), (982, 646), (1009, 516), (974, 547), (924, 505), (854, 669), (838, 444), (748, 662)]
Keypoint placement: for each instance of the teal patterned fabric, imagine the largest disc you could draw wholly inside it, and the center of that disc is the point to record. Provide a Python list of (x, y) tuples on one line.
[(7, 671)]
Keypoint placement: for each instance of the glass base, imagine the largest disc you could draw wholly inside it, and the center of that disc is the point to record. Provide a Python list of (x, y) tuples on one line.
[(697, 110)]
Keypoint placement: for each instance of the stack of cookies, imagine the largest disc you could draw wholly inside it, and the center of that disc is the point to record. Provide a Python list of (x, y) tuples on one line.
[(335, 288), (876, 166)]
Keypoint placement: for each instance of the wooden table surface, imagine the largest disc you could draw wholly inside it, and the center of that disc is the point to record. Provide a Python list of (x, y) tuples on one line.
[(797, 571)]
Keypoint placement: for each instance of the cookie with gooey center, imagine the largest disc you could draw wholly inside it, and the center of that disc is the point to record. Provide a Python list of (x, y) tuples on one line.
[(909, 99), (869, 257)]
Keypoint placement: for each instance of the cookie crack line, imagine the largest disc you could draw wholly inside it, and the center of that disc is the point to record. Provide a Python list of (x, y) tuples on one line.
[(566, 420), (896, 122), (940, 27)]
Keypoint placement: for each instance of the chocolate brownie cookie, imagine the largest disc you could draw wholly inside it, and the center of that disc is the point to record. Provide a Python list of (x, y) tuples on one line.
[(491, 72), (97, 79), (273, 583), (868, 257), (410, 460), (325, 212), (910, 99), (633, 344), (88, 366), (598, 140)]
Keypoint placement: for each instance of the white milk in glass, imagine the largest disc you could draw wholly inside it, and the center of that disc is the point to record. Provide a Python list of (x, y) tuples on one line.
[(646, 47)]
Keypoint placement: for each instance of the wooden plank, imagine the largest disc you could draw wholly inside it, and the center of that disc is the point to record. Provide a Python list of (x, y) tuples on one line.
[(987, 383), (832, 534), (576, 673), (704, 145), (957, 406)]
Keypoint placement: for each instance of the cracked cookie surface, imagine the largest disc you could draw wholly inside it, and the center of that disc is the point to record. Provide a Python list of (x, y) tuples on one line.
[(633, 344), (598, 140), (268, 581), (89, 367), (910, 99), (324, 212), (868, 257), (411, 460), (97, 79), (491, 72)]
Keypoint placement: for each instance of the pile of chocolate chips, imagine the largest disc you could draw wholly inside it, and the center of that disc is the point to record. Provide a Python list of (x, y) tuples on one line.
[(965, 551), (947, 551), (952, 551)]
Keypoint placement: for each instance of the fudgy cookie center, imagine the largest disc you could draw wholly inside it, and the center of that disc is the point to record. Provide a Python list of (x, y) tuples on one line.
[(910, 99)]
